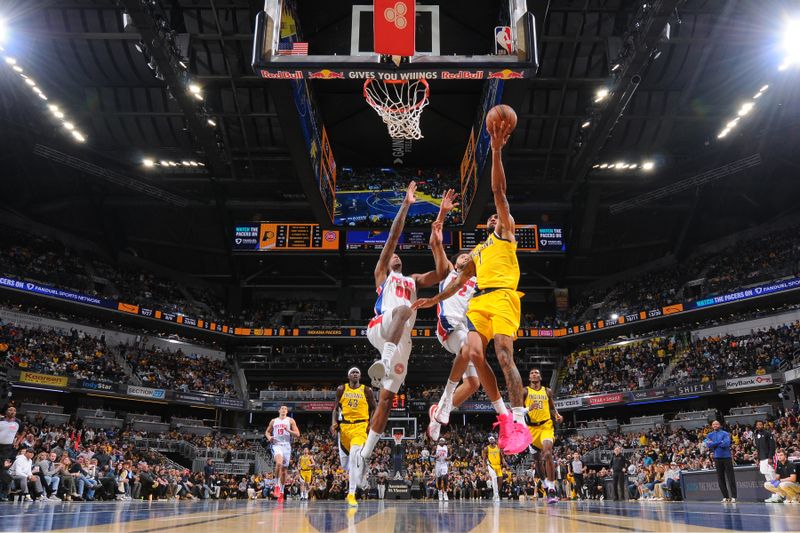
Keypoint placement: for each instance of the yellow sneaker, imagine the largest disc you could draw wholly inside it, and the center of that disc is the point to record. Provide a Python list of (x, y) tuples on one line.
[(351, 500)]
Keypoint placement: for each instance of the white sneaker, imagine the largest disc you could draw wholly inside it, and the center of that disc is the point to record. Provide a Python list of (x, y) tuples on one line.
[(27, 498), (440, 496), (731, 500), (496, 499), (377, 371), (443, 412), (446, 498), (54, 498), (434, 427)]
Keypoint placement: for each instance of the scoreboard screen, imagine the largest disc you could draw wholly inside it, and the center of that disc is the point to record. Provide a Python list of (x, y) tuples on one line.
[(269, 236), (530, 238), (376, 240)]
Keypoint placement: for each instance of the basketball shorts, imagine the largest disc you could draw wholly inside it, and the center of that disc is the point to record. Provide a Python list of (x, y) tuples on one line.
[(377, 331), (495, 313), (441, 470), (542, 433), (352, 435), (453, 340), (496, 469), (305, 475), (284, 450)]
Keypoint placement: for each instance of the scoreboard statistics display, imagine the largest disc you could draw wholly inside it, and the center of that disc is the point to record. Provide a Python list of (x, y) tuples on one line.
[(376, 240), (530, 238), (269, 236)]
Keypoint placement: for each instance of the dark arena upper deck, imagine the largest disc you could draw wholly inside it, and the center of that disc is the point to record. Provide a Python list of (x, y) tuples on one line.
[(397, 265)]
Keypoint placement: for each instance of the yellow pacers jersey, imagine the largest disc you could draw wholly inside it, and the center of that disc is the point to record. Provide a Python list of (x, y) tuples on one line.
[(354, 404), (496, 263), (538, 405), (493, 455), (305, 462)]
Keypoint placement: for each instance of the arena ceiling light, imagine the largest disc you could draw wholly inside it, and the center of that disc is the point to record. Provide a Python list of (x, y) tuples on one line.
[(60, 115), (646, 165), (601, 94), (791, 44), (149, 162)]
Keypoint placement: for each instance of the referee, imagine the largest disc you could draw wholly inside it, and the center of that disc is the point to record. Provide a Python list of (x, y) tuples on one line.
[(9, 428)]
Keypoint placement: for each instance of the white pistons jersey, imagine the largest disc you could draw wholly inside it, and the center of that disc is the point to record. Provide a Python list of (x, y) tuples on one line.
[(441, 455), (397, 290), (280, 431), (453, 311)]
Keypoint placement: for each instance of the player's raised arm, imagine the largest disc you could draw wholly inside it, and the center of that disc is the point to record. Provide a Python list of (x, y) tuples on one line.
[(499, 132), (466, 273), (443, 265), (382, 268)]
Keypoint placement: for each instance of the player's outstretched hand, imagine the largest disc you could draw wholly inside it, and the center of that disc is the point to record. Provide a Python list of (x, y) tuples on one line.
[(423, 303), (436, 233), (499, 132), (448, 201), (559, 419), (410, 198)]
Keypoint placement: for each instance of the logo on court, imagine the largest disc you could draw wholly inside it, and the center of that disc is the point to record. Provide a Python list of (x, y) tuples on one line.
[(399, 368), (396, 15)]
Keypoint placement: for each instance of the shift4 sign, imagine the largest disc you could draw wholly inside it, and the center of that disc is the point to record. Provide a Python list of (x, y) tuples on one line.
[(246, 237)]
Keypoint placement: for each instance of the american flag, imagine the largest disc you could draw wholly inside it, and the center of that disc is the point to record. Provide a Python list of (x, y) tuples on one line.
[(293, 49)]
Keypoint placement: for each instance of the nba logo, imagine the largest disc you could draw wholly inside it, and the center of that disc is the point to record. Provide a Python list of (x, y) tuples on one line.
[(502, 41)]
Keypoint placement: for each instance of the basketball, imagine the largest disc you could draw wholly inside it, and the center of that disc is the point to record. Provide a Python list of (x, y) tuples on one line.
[(501, 113)]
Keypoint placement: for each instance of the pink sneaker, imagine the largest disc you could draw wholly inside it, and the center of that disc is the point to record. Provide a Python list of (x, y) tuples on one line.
[(513, 438)]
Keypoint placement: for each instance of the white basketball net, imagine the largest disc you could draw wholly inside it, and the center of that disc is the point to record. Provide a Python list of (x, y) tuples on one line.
[(399, 103)]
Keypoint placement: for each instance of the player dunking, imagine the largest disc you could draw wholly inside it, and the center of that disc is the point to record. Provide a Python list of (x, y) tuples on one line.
[(355, 402), (441, 456), (494, 464), (390, 330), (494, 311), (279, 433), (541, 413), (307, 465)]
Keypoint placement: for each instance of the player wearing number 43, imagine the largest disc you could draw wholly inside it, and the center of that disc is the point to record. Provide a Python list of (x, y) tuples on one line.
[(390, 331), (279, 433)]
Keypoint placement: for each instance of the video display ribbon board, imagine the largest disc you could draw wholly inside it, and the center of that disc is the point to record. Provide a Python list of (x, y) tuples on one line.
[(272, 236), (530, 238)]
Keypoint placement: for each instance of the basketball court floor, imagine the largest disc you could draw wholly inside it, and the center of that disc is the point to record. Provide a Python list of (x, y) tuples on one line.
[(400, 517)]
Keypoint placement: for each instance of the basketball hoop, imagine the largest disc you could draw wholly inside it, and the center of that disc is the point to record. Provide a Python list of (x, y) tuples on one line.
[(398, 438), (399, 103)]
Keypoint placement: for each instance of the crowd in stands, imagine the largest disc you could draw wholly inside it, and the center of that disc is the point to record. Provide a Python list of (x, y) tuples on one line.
[(727, 356), (53, 352), (289, 313), (623, 366), (176, 370), (771, 255)]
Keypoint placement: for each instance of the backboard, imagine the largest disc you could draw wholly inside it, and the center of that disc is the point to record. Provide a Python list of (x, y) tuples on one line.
[(454, 41)]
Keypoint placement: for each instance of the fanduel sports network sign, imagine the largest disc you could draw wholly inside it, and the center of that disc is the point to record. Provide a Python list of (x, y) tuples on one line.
[(749, 381)]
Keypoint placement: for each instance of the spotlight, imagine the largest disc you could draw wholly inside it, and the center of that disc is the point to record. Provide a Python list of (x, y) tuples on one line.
[(621, 165), (41, 95), (78, 136), (614, 316), (746, 108), (615, 67), (791, 42), (193, 163), (601, 94), (185, 163), (764, 88), (586, 124), (11, 61), (212, 123), (595, 166), (633, 166), (194, 88), (148, 163), (732, 123), (604, 165), (30, 82), (648, 165), (612, 165), (172, 163), (199, 96), (164, 163), (69, 125), (723, 133), (17, 68), (182, 64)]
